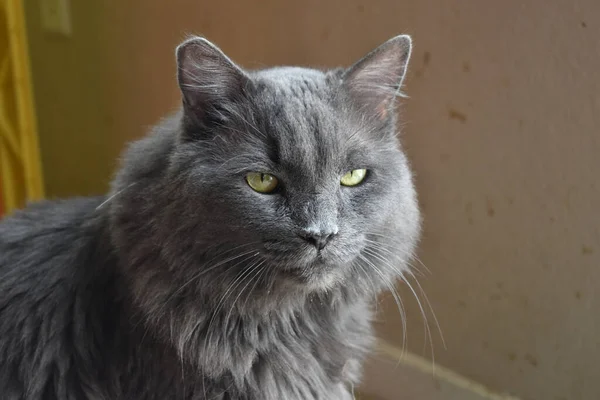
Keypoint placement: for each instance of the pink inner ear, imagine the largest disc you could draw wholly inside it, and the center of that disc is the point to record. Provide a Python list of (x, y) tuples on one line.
[(382, 109), (375, 80)]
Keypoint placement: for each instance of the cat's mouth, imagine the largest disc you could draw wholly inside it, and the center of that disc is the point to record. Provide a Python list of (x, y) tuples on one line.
[(304, 265), (297, 254)]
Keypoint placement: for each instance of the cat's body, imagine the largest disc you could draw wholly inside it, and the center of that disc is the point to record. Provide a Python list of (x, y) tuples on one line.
[(76, 338), (185, 283)]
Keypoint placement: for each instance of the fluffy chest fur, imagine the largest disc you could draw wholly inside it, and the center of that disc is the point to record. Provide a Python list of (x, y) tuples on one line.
[(298, 357)]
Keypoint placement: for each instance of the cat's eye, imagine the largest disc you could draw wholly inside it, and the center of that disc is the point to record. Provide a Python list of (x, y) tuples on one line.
[(354, 177), (262, 183)]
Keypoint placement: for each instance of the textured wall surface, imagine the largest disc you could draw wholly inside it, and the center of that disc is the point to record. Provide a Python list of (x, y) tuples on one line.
[(501, 126)]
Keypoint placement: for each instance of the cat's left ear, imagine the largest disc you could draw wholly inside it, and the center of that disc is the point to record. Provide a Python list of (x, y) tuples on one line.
[(208, 79), (374, 82)]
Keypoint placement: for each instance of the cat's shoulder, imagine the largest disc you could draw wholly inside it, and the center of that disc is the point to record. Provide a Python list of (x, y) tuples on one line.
[(40, 251), (44, 220), (43, 234)]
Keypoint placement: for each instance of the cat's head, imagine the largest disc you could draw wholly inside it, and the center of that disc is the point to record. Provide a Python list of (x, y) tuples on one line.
[(280, 178)]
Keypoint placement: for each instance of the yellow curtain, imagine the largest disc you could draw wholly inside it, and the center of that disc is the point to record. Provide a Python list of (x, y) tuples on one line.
[(20, 171)]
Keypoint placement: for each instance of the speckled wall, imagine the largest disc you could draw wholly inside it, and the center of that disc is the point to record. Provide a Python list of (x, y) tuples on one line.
[(501, 126)]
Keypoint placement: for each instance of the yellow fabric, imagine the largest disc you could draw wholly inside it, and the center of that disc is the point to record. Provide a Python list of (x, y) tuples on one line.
[(20, 171)]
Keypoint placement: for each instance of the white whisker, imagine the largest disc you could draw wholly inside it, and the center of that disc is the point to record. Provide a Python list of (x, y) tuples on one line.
[(396, 297), (114, 195), (424, 315), (403, 251), (252, 253), (258, 277), (431, 309), (236, 282), (425, 320), (255, 270)]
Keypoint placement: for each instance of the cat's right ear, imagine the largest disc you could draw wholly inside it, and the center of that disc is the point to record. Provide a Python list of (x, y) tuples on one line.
[(208, 79), (374, 82)]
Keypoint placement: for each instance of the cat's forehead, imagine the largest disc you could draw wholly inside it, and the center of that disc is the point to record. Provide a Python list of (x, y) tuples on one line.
[(299, 114), (286, 75), (298, 100)]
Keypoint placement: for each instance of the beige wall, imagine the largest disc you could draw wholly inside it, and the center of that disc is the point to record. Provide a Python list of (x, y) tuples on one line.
[(502, 127), (70, 84)]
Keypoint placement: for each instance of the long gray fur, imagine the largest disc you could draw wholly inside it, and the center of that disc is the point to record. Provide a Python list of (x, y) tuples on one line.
[(184, 283)]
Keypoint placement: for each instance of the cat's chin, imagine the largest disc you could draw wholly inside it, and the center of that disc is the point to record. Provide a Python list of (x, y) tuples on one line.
[(311, 282), (314, 276), (323, 282)]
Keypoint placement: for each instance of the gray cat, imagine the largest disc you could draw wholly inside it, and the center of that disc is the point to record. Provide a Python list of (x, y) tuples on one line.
[(239, 253)]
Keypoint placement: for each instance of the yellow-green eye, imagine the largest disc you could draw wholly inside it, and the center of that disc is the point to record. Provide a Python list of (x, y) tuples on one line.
[(354, 177), (262, 183)]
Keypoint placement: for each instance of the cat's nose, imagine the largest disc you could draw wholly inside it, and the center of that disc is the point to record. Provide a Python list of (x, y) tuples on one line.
[(319, 239)]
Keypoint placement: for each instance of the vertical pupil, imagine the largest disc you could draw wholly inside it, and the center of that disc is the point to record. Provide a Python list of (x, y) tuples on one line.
[(262, 177)]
